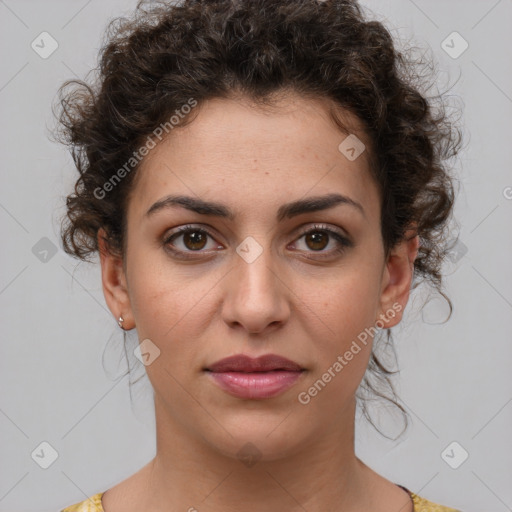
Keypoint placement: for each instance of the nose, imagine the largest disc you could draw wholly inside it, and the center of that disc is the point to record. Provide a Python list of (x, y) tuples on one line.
[(256, 299)]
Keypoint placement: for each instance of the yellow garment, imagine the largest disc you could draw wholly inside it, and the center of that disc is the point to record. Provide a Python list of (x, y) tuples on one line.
[(93, 504)]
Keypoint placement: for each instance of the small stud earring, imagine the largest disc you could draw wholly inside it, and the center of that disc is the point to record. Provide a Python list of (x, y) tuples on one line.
[(120, 322)]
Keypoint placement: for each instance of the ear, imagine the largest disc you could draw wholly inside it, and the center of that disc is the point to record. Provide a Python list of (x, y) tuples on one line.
[(397, 279), (114, 282)]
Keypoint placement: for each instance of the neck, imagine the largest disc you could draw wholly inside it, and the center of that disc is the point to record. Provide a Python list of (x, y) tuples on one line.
[(322, 473)]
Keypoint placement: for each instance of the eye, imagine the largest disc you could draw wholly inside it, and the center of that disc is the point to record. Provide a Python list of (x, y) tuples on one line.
[(322, 239), (184, 241), (190, 239)]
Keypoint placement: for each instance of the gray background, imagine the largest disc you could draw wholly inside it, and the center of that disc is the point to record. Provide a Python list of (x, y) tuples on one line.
[(455, 377)]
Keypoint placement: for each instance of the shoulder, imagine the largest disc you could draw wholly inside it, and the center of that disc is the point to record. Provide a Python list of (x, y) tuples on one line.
[(92, 504), (423, 505)]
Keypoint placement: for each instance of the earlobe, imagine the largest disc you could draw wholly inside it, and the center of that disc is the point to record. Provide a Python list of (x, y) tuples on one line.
[(397, 276), (114, 283)]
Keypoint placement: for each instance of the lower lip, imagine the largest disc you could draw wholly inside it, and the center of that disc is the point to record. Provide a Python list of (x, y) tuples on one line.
[(257, 384)]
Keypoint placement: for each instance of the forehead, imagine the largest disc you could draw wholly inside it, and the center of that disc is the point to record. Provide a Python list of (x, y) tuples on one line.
[(248, 154)]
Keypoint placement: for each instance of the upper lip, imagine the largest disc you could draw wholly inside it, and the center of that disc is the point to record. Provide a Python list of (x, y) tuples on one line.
[(243, 363)]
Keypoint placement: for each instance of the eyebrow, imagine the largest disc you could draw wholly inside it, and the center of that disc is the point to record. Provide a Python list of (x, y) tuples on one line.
[(288, 210)]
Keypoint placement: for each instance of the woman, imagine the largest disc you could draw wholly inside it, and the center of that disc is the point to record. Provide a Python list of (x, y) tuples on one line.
[(262, 181)]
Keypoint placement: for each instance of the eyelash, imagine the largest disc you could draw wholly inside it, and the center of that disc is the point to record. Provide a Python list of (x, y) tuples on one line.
[(343, 242)]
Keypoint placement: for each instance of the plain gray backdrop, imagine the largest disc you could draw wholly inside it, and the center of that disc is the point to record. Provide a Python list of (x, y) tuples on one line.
[(60, 344)]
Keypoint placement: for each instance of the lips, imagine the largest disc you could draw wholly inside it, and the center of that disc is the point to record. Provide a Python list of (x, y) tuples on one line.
[(246, 364), (264, 377)]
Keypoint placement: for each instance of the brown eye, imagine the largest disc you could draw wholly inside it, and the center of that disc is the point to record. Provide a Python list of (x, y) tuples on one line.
[(323, 241), (191, 239), (195, 240), (317, 240)]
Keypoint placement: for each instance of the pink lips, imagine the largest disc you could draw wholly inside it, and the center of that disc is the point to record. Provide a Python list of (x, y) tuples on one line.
[(263, 377)]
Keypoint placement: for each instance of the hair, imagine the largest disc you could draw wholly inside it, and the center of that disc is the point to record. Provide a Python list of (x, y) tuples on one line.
[(154, 62)]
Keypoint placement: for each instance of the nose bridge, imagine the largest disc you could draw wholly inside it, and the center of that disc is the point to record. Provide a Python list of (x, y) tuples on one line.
[(256, 297), (257, 278)]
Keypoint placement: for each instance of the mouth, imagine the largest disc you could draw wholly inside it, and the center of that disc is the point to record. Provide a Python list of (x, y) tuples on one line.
[(264, 377)]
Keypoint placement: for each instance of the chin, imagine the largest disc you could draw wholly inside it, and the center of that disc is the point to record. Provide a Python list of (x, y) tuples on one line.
[(261, 437)]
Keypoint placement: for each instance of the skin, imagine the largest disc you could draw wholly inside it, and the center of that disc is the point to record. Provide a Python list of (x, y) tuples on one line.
[(289, 301)]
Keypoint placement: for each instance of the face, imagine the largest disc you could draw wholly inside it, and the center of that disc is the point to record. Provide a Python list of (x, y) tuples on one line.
[(249, 232)]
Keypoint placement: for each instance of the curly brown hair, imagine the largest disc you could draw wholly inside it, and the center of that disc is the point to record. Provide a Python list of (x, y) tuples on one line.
[(165, 54)]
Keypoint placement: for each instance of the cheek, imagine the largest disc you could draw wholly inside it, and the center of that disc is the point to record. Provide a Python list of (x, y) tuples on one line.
[(344, 311), (170, 308), (173, 318), (342, 346), (347, 303), (163, 305)]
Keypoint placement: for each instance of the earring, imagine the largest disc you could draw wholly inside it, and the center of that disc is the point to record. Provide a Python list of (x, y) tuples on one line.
[(120, 322)]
